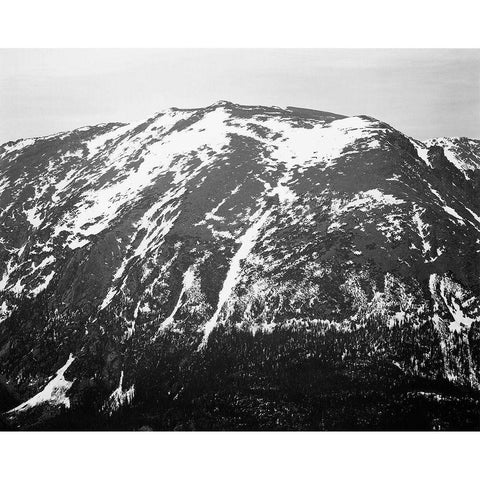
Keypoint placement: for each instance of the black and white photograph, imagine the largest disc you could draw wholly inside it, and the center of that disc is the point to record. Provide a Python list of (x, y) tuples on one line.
[(232, 266), (222, 238)]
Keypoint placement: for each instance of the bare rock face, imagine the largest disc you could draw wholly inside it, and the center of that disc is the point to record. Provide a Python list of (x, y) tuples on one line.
[(140, 256)]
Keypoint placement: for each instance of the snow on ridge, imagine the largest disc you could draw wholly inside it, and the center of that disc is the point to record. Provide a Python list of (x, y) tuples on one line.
[(451, 211), (187, 283), (4, 311), (98, 141), (209, 131), (432, 285), (26, 142), (283, 191), (475, 216), (452, 295), (384, 198), (211, 216), (364, 201), (452, 146), (208, 136), (247, 242), (422, 230), (323, 143), (4, 183), (43, 285), (62, 185), (119, 397), (448, 288), (154, 235), (99, 205), (392, 228), (54, 393), (10, 268), (33, 217), (18, 145), (422, 150)]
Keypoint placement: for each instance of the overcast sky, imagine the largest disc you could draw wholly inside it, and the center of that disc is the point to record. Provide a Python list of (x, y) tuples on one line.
[(423, 93)]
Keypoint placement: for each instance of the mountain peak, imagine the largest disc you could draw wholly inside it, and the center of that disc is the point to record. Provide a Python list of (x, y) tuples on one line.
[(210, 241), (222, 103)]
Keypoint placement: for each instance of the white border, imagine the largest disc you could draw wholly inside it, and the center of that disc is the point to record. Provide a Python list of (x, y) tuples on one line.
[(242, 456), (246, 23)]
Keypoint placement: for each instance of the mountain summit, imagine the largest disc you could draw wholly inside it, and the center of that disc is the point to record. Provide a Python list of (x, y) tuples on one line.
[(239, 267)]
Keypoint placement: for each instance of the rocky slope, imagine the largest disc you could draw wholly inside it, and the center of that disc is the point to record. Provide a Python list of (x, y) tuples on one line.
[(126, 249)]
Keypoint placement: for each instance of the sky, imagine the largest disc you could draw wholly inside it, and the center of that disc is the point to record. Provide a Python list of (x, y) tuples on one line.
[(424, 93)]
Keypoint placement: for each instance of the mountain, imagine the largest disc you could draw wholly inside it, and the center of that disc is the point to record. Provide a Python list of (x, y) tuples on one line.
[(240, 267)]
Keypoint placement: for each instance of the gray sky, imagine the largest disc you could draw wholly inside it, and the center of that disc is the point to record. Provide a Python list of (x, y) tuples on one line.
[(423, 93)]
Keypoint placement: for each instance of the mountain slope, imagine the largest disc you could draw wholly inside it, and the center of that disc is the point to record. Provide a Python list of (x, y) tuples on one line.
[(119, 238)]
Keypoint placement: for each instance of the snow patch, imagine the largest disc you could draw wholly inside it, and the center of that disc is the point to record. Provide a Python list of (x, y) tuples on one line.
[(54, 393), (454, 214), (247, 242), (43, 285), (187, 283), (119, 397)]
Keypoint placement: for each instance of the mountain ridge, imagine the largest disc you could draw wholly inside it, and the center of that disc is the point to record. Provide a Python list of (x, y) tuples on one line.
[(121, 237), (220, 103)]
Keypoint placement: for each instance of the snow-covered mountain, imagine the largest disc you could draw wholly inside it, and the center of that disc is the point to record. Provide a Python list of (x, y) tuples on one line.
[(199, 229)]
